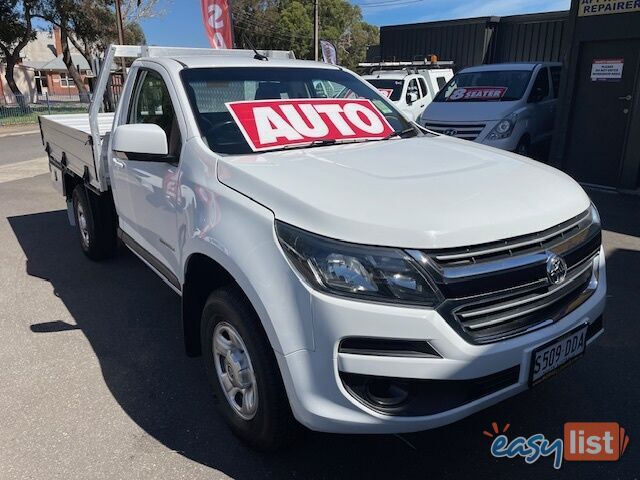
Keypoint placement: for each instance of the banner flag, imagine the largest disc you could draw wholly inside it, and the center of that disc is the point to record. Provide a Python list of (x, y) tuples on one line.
[(216, 15), (329, 53)]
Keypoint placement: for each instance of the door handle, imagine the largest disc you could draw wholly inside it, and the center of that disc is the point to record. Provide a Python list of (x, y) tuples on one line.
[(626, 97), (118, 163)]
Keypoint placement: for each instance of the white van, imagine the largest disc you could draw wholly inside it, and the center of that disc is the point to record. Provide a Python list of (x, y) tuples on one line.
[(510, 106), (411, 90)]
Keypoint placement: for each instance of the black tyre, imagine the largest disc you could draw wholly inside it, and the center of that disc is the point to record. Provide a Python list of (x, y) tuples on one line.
[(524, 147), (243, 372), (95, 223)]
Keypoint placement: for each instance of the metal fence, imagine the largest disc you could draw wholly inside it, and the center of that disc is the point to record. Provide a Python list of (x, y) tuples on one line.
[(24, 109)]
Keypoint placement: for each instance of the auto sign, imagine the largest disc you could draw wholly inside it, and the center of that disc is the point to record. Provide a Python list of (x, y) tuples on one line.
[(272, 124)]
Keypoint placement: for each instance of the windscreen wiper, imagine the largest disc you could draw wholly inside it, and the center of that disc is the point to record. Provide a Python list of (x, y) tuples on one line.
[(400, 133)]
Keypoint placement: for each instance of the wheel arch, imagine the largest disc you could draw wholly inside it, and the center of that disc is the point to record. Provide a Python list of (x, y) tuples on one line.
[(202, 275), (70, 181)]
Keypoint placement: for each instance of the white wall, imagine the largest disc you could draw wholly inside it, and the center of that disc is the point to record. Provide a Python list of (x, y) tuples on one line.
[(25, 80)]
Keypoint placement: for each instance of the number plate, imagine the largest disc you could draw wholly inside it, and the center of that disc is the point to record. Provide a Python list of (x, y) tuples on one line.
[(557, 355)]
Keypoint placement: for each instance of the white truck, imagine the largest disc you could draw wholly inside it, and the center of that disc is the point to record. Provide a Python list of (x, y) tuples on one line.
[(411, 89), (339, 268)]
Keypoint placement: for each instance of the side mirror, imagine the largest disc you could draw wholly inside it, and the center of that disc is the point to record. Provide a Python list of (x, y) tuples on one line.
[(144, 142), (412, 97)]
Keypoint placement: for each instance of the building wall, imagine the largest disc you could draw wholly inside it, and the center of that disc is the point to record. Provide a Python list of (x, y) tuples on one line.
[(618, 26), (540, 37), (464, 41), (24, 78), (475, 41), (55, 87)]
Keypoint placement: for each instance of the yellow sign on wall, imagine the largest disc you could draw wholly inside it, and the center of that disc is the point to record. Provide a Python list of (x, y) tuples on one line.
[(604, 7)]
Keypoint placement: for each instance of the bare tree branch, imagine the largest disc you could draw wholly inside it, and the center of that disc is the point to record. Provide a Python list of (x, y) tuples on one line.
[(133, 13)]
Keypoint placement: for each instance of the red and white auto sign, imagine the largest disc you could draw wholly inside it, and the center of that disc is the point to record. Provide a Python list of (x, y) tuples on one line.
[(477, 93), (271, 124), (387, 92)]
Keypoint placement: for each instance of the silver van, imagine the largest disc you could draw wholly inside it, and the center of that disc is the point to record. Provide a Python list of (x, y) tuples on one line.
[(511, 106)]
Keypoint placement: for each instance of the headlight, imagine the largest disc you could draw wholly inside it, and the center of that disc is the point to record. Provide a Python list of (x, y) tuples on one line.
[(504, 127), (378, 274)]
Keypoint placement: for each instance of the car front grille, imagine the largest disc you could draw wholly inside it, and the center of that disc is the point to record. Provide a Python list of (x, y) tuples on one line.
[(500, 290), (467, 131)]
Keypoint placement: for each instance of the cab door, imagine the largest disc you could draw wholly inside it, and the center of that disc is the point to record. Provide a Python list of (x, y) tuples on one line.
[(154, 185)]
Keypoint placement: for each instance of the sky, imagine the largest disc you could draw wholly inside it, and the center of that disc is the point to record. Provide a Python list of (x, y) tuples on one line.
[(182, 24)]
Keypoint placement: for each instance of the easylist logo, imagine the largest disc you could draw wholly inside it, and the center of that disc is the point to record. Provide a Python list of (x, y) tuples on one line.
[(583, 442), (603, 442)]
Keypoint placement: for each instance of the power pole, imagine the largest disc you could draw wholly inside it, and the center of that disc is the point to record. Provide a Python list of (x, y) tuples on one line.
[(316, 28), (120, 33)]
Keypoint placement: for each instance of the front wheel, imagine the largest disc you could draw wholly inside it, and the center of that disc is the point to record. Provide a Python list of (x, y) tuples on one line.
[(244, 374)]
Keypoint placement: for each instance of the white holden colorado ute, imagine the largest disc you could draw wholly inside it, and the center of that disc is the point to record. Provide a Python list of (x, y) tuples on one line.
[(339, 268)]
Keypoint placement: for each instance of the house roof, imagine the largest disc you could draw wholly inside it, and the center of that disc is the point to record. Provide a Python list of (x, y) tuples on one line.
[(57, 63)]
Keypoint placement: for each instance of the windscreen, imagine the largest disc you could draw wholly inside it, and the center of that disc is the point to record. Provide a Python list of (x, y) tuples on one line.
[(392, 89), (213, 91), (504, 85)]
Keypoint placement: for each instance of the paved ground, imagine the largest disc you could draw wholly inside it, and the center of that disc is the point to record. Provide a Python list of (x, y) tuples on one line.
[(94, 383), (20, 147)]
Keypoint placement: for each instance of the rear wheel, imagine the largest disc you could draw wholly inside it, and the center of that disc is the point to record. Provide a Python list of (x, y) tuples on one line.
[(95, 223), (244, 374)]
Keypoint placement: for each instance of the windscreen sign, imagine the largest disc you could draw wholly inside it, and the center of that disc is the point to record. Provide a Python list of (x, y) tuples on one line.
[(477, 93), (273, 124)]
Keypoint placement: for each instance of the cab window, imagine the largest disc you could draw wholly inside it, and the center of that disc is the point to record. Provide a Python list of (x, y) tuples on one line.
[(151, 103), (540, 89), (413, 88)]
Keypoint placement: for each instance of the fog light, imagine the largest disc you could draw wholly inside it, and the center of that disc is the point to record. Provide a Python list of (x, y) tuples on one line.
[(385, 393)]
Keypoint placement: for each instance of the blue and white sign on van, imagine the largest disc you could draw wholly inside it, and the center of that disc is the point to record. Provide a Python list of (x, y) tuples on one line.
[(607, 70), (604, 7)]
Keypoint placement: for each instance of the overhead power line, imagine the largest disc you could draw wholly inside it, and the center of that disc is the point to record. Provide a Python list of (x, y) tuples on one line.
[(246, 18)]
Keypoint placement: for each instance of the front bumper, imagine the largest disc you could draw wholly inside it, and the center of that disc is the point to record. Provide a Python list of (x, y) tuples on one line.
[(315, 379)]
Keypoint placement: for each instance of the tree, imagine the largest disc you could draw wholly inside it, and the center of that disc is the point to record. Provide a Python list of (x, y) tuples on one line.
[(93, 27), (63, 14), (16, 31), (288, 25)]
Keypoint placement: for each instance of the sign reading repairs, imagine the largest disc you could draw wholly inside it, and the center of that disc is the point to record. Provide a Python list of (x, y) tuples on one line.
[(272, 124), (607, 70), (604, 7), (477, 93)]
